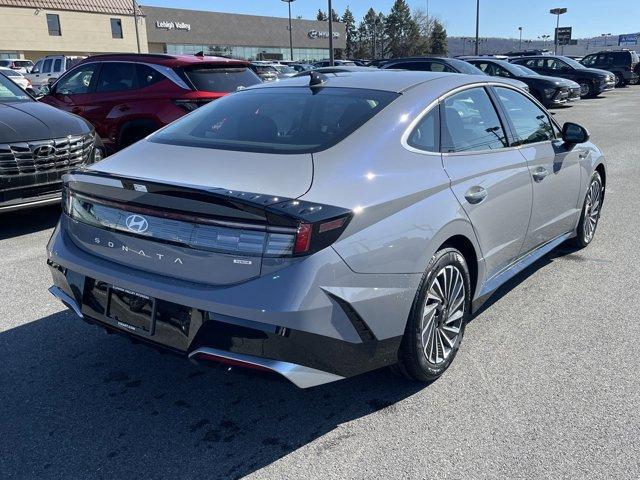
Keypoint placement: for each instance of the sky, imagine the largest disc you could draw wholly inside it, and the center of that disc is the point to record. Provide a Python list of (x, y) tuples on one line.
[(498, 18)]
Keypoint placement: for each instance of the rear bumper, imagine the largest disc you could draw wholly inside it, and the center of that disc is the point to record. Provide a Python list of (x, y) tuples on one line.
[(312, 322)]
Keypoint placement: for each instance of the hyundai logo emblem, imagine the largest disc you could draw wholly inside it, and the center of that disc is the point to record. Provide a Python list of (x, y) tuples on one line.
[(136, 223), (44, 151)]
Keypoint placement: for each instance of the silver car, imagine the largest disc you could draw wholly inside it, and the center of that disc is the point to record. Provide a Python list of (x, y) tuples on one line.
[(326, 225)]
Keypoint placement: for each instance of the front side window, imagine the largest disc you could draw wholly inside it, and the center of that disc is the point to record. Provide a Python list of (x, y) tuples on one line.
[(555, 64), (425, 136), (470, 123), (37, 68), (589, 60), (277, 120), (77, 81), (532, 125), (53, 24), (46, 66), (116, 28), (116, 77)]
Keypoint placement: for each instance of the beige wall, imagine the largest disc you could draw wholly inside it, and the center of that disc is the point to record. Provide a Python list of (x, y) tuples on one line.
[(82, 33)]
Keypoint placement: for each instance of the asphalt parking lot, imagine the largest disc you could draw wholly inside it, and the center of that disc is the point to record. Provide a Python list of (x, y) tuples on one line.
[(546, 384)]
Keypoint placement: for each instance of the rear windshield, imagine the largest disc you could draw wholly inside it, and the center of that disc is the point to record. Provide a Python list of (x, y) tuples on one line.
[(264, 69), (10, 92), (22, 63), (277, 120), (221, 79)]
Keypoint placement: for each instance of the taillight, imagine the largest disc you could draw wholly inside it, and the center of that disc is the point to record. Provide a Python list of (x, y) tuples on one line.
[(303, 238)]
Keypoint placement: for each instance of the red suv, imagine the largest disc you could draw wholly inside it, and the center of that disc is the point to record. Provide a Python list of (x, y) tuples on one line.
[(128, 96)]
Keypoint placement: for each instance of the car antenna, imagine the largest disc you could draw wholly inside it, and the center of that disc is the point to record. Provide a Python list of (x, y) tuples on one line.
[(199, 54), (316, 79)]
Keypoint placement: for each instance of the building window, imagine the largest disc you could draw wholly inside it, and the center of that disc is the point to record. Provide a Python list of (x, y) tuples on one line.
[(116, 28), (53, 23)]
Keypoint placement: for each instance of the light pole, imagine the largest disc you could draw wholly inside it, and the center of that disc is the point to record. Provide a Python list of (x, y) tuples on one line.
[(289, 2), (477, 25), (330, 35), (520, 44), (135, 21), (557, 12), (606, 39), (464, 44)]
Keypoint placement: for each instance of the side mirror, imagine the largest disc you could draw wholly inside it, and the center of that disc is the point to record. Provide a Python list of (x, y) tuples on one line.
[(572, 133)]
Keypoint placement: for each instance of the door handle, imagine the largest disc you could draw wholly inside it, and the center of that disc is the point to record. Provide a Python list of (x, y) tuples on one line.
[(476, 194), (539, 173)]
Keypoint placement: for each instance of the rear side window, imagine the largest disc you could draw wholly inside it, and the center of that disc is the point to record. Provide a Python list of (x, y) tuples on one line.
[(116, 77), (470, 123), (46, 67), (531, 124), (425, 136), (148, 76), (277, 120), (57, 65), (221, 79)]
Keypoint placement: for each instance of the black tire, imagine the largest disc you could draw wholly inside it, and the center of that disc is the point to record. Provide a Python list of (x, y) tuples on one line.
[(620, 83), (413, 359), (583, 238), (586, 89)]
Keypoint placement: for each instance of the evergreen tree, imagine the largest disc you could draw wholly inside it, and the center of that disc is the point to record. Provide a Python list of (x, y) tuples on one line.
[(321, 16), (351, 32), (438, 39), (334, 16), (402, 31)]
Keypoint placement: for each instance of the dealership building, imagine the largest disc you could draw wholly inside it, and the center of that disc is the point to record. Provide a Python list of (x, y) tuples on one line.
[(33, 29), (251, 37)]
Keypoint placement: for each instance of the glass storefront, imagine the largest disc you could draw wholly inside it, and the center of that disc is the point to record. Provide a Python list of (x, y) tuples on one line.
[(249, 53)]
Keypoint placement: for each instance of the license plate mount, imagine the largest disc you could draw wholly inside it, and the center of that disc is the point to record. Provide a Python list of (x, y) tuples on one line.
[(131, 311)]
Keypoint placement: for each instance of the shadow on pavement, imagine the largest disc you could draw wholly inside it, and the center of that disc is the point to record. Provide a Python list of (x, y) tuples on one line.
[(80, 404), (23, 222)]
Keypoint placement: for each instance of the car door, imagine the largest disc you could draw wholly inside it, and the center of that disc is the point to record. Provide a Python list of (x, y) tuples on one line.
[(73, 90), (490, 178), (555, 171)]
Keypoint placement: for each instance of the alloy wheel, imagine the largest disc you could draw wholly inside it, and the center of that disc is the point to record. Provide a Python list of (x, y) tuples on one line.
[(443, 314), (585, 89), (592, 209)]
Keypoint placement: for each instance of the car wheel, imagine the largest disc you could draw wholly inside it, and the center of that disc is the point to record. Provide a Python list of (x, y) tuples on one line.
[(586, 90), (438, 317), (619, 81), (590, 212)]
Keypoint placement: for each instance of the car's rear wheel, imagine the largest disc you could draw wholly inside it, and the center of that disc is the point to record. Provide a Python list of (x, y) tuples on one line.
[(590, 212), (438, 317)]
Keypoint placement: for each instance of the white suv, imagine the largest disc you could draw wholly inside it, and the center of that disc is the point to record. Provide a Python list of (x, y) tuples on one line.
[(48, 69)]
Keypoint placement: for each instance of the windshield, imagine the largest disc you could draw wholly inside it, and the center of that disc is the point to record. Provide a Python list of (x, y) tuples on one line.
[(465, 67), (284, 69), (10, 92), (525, 70), (277, 120), (221, 79), (22, 63), (264, 69), (573, 63)]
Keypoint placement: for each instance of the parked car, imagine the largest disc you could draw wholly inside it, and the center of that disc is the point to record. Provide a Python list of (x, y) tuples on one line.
[(128, 96), (284, 71), (550, 91), (17, 64), (336, 63), (48, 69), (266, 72), (38, 144), (327, 225), (443, 64), (528, 53), (337, 69), (622, 63), (17, 78), (592, 81), (301, 67)]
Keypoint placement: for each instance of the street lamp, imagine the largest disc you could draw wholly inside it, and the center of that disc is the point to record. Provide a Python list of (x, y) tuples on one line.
[(606, 39), (330, 35), (557, 12), (520, 44), (289, 2), (135, 21), (477, 25)]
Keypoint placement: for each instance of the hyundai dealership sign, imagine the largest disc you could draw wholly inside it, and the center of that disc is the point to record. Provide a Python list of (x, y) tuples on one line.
[(167, 25), (317, 34), (630, 40)]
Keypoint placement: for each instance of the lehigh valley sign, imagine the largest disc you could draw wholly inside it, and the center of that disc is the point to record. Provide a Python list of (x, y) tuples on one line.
[(166, 25)]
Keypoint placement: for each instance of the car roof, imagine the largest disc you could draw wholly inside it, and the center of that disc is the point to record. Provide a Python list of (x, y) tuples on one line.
[(388, 80), (163, 59)]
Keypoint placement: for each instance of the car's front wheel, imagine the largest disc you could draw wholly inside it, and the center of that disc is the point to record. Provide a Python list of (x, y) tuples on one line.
[(438, 317), (590, 212), (586, 89), (619, 81)]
